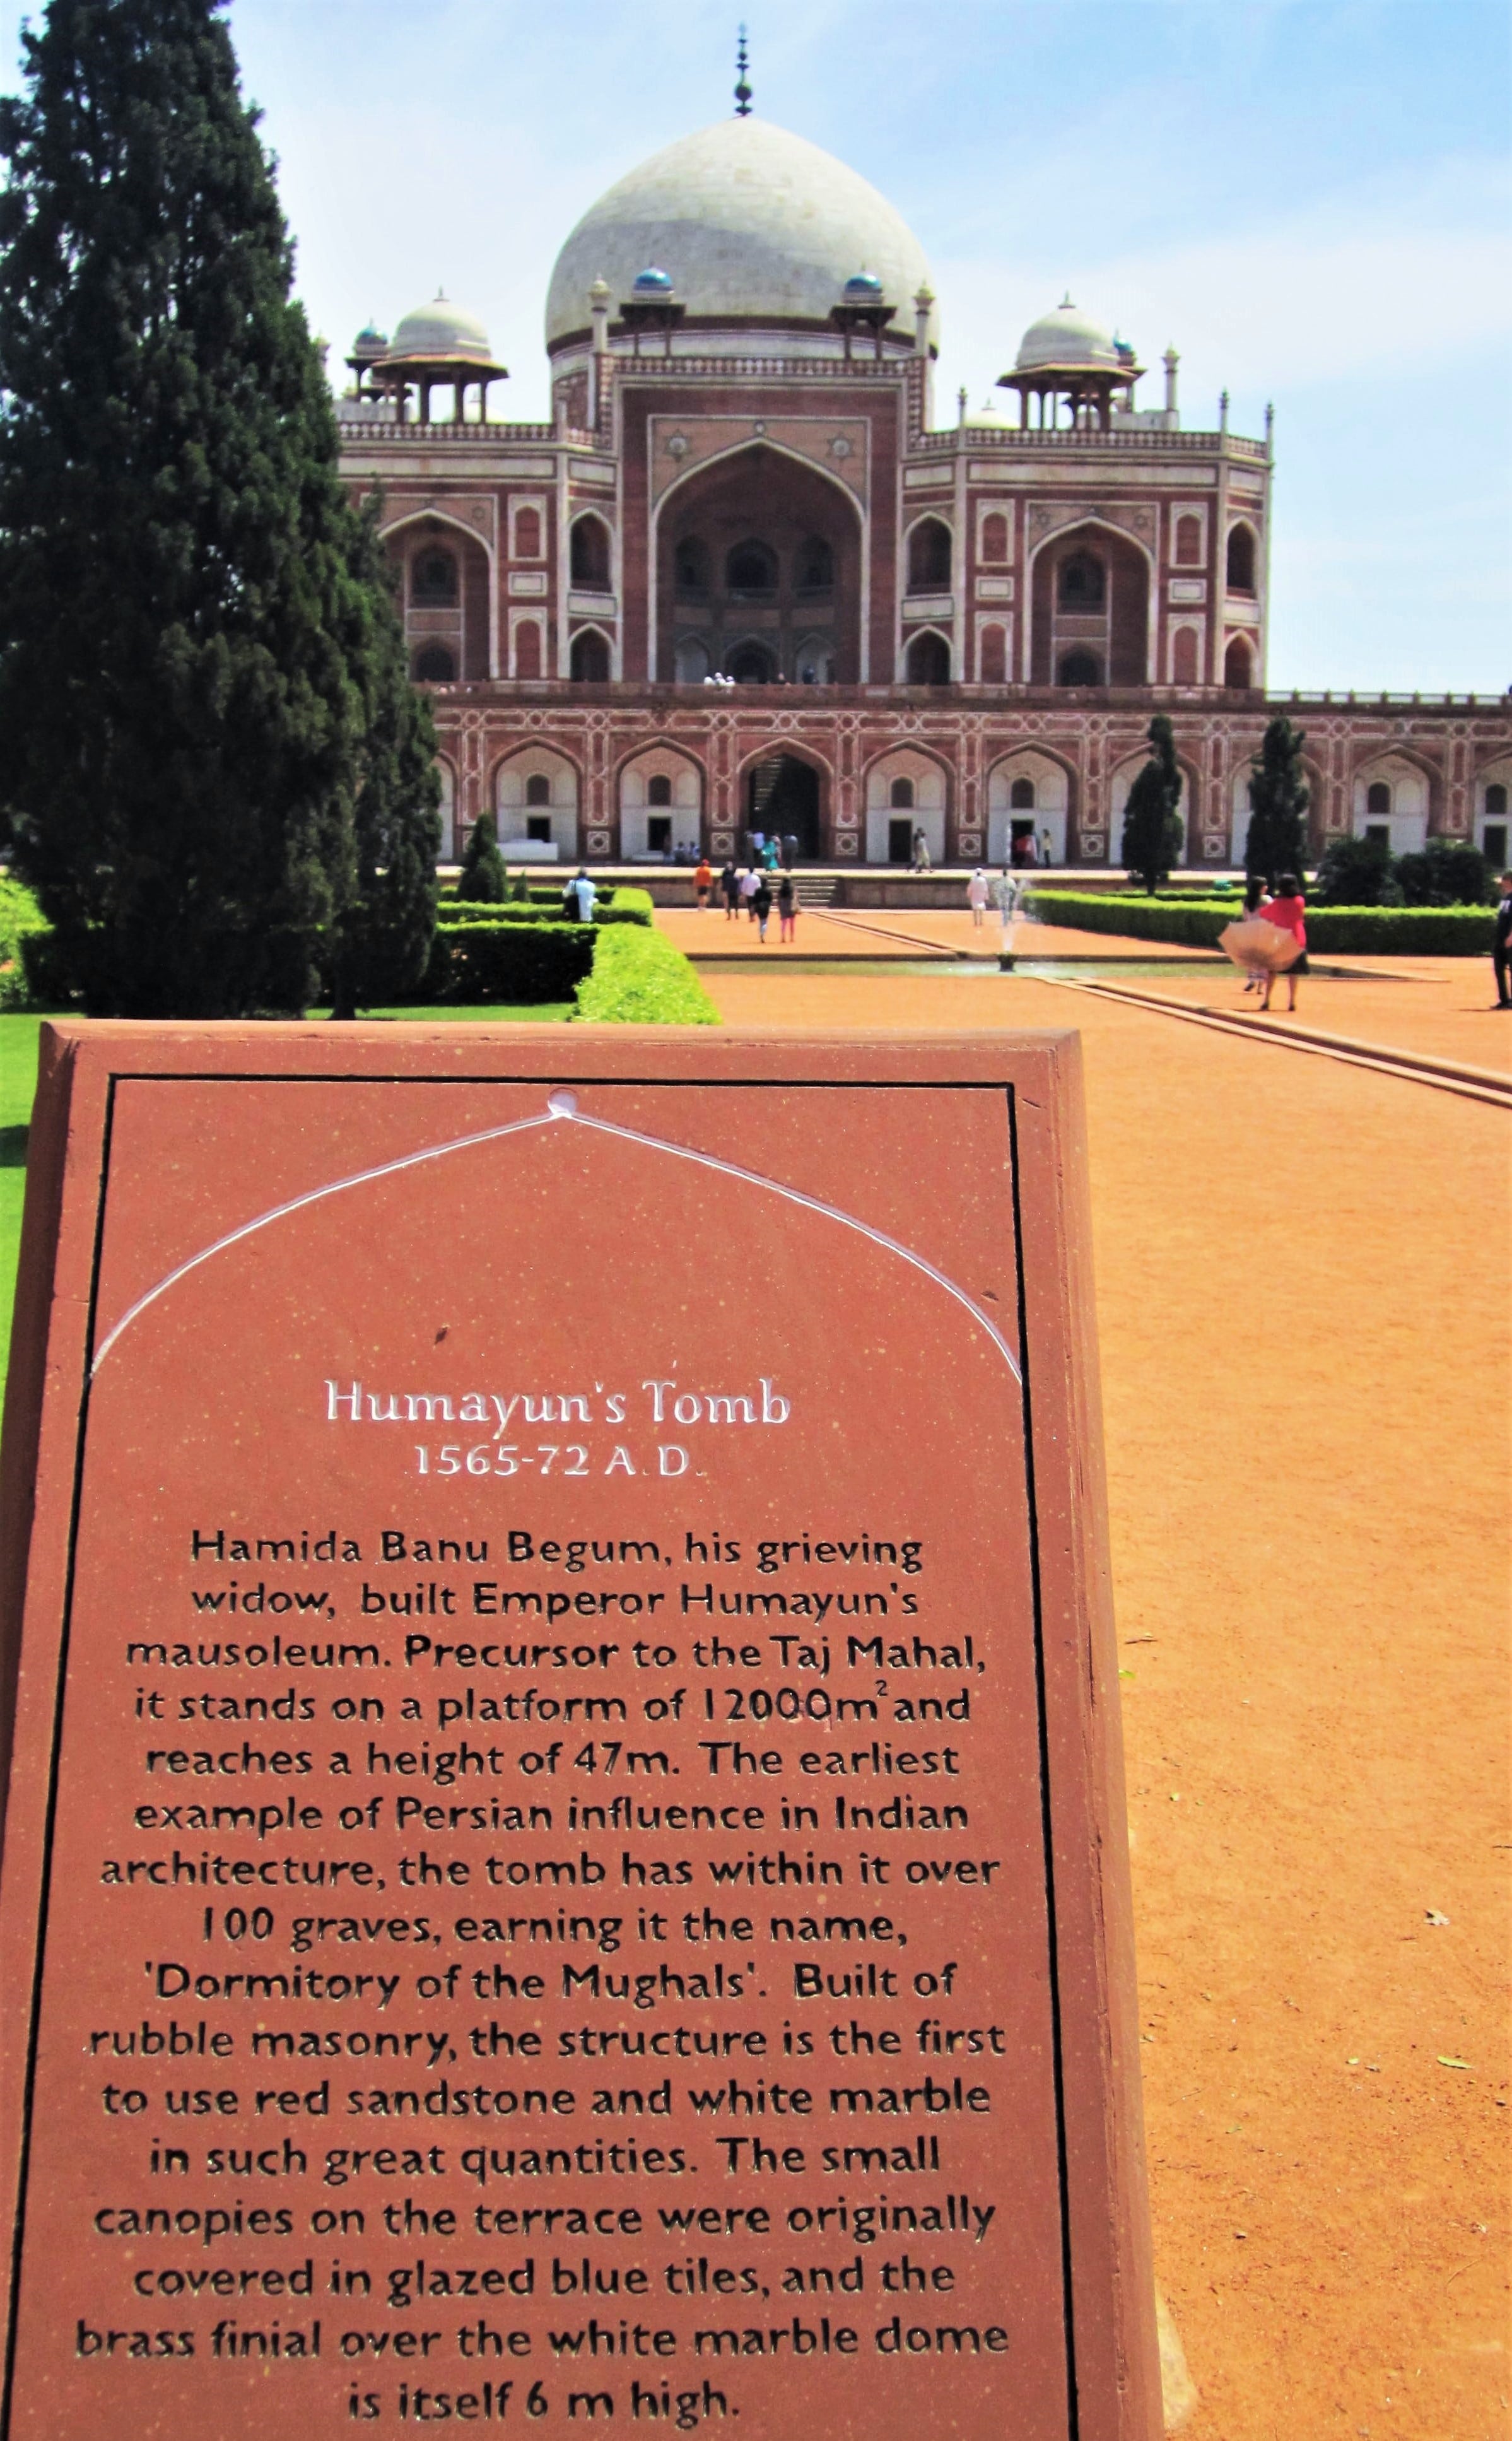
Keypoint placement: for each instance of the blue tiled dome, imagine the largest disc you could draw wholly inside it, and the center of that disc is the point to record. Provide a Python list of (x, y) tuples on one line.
[(863, 286), (653, 283)]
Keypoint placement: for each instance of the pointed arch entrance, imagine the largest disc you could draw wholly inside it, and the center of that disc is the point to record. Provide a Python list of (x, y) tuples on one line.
[(759, 563), (784, 798)]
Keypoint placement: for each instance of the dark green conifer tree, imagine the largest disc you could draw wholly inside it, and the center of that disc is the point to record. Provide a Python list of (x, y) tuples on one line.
[(205, 746), (1276, 842), (483, 875), (383, 937), (1152, 824)]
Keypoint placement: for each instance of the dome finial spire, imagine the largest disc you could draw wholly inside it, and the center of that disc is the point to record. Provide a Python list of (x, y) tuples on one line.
[(741, 80)]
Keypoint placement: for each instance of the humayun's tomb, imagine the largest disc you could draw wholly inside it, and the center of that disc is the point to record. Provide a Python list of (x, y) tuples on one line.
[(962, 630)]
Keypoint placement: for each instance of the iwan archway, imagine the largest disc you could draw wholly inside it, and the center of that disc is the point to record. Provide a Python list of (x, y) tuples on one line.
[(759, 574)]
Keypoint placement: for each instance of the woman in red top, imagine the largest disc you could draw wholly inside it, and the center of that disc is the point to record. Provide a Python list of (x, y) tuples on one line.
[(1289, 909)]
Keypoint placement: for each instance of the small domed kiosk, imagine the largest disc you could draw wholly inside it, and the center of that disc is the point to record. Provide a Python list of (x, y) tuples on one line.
[(437, 347), (1066, 356)]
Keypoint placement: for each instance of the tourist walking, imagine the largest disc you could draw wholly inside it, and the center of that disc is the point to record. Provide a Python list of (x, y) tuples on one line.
[(1289, 909), (920, 850), (786, 908), (703, 883), (1047, 847), (761, 905), (749, 884), (977, 896), (729, 891), (582, 889), (1005, 890), (1501, 942)]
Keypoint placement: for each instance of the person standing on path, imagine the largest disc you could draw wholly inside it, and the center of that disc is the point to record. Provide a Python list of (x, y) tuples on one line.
[(1005, 890), (1047, 847), (1288, 910), (1501, 942), (977, 896), (729, 891), (585, 892), (703, 883), (920, 849), (786, 908), (1256, 900), (761, 905), (749, 884)]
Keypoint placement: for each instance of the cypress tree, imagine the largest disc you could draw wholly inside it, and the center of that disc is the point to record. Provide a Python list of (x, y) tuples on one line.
[(483, 875), (1276, 842), (1152, 826), (205, 744), (382, 938)]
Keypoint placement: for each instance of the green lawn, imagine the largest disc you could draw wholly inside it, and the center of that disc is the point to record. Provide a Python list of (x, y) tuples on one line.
[(18, 1083)]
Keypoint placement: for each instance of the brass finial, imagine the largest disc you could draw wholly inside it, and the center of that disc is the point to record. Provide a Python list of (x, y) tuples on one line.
[(741, 80)]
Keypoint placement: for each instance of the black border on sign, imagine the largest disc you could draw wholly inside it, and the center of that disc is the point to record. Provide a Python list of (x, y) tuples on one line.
[(267, 1076)]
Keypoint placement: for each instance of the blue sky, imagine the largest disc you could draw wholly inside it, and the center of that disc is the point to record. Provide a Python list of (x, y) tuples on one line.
[(1312, 198)]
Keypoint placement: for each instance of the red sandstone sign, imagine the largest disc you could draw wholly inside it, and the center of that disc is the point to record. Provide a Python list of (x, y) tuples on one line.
[(564, 1859)]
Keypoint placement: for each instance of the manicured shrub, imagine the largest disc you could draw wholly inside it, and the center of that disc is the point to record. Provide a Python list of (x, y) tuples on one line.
[(483, 880), (518, 963), (628, 906), (1362, 932), (1446, 873), (639, 979), (20, 920), (1356, 873)]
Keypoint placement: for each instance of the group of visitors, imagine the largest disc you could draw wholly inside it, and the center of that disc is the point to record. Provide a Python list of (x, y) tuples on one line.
[(748, 890), (1286, 909), (1001, 891)]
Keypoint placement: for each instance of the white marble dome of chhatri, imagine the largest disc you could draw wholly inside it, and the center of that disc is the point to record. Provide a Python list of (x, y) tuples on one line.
[(1066, 337), (441, 328), (752, 224)]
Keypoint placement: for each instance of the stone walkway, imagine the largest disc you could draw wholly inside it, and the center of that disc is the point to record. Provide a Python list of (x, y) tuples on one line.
[(1301, 1296)]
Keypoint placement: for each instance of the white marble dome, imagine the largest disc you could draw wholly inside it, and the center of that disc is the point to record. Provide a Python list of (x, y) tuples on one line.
[(441, 330), (752, 224), (1066, 336)]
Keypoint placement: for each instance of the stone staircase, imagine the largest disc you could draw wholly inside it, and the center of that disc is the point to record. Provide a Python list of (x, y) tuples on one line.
[(816, 889)]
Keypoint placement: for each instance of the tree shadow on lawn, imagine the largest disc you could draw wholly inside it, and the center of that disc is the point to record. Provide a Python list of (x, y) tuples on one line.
[(13, 1147)]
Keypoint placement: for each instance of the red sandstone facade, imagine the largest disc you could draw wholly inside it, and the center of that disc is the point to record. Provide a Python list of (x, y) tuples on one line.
[(963, 631)]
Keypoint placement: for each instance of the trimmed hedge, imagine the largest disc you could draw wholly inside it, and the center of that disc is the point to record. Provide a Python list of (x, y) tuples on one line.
[(1370, 932), (639, 979), (611, 907), (20, 920), (518, 963)]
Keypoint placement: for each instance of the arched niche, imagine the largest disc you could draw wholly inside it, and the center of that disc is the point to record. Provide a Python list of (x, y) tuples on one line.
[(1089, 596), (450, 845), (590, 659), (926, 658), (1402, 802), (661, 797), (1240, 663), (536, 800), (457, 613), (929, 550), (1027, 791), (890, 826), (590, 553), (758, 513), (1491, 815), (1241, 558)]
